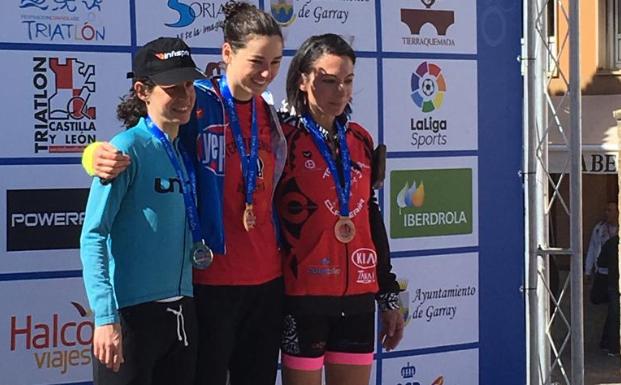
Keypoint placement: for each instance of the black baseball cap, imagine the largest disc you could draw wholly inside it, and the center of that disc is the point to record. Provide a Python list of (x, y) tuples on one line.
[(166, 61)]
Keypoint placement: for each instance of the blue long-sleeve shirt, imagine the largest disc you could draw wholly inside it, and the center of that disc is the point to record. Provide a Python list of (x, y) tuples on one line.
[(135, 242)]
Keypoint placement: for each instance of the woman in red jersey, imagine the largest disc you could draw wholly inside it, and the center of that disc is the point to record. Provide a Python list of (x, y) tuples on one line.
[(337, 258)]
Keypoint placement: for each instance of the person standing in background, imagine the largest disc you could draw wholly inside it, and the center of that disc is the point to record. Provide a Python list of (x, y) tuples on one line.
[(602, 231)]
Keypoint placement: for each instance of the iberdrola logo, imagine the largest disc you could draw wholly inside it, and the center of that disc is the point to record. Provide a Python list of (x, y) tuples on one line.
[(428, 87), (411, 196), (282, 11), (432, 202)]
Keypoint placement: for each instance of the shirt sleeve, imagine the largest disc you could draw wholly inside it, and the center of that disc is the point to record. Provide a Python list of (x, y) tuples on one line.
[(102, 207), (387, 296), (593, 250)]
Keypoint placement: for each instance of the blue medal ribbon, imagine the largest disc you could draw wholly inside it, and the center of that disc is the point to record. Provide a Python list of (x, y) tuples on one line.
[(248, 162), (343, 190), (189, 188)]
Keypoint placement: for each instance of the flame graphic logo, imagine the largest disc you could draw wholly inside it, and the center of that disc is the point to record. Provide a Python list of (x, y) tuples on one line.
[(411, 196)]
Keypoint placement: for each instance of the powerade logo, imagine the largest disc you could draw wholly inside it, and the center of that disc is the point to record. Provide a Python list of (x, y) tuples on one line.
[(49, 219), (428, 87), (58, 341), (64, 113), (426, 203), (283, 11), (62, 20), (415, 19)]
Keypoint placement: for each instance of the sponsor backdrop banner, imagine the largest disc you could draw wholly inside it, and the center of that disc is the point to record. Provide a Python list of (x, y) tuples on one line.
[(436, 81)]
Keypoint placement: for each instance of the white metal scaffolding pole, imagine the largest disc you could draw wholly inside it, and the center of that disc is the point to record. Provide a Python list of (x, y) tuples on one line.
[(554, 338)]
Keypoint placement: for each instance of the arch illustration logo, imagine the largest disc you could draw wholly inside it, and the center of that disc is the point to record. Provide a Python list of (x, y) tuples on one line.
[(283, 11), (428, 87)]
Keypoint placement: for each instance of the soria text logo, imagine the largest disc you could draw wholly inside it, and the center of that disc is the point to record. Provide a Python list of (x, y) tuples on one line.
[(187, 13)]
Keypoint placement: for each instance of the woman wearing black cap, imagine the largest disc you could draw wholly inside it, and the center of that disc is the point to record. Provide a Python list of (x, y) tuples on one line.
[(240, 153), (136, 247)]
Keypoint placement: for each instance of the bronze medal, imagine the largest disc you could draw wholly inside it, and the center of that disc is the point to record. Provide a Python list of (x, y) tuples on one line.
[(344, 230), (249, 219)]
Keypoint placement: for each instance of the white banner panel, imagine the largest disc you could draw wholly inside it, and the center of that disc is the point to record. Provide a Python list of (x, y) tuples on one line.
[(196, 22), (437, 26), (44, 212), (431, 203), (303, 18), (430, 105), (64, 100), (45, 332), (450, 368), (92, 22), (440, 300)]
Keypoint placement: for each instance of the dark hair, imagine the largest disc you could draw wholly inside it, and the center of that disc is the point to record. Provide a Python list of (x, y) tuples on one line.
[(302, 63), (132, 108), (241, 20)]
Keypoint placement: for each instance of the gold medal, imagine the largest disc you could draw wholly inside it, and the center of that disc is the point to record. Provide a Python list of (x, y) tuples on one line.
[(250, 220), (344, 230)]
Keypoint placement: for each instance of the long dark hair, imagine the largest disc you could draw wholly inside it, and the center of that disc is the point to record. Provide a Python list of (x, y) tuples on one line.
[(131, 108), (302, 63), (243, 20)]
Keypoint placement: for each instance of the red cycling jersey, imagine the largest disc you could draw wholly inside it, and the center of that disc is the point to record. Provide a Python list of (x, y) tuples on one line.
[(252, 257), (316, 263)]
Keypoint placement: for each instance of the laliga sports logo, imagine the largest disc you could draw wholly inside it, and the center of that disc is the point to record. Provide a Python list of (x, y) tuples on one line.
[(283, 12), (408, 372), (411, 196), (428, 87), (171, 54)]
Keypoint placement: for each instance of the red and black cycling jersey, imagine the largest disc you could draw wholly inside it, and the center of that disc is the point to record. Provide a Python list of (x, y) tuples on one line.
[(320, 272)]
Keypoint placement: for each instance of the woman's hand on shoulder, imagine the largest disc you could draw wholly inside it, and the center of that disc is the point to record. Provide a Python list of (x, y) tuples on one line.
[(108, 162)]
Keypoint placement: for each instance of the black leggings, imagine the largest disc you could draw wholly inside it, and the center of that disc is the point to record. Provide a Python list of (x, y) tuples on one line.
[(159, 345), (239, 334)]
